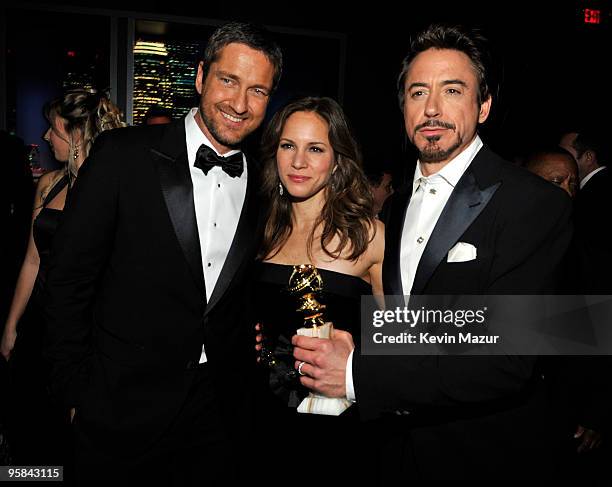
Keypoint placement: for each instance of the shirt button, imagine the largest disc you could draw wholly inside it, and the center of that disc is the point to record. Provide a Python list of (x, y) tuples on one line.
[(214, 224), (432, 191), (219, 185), (420, 240), (209, 264)]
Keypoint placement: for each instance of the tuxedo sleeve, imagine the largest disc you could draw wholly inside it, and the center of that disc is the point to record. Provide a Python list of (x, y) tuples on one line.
[(80, 250), (531, 244)]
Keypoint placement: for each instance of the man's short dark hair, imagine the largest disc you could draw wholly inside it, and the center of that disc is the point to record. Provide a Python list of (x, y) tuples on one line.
[(535, 157), (458, 38), (253, 36), (375, 176), (593, 141), (156, 111)]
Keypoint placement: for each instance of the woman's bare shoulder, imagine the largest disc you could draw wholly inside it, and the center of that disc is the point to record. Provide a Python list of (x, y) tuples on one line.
[(49, 178), (376, 248), (46, 182), (378, 231)]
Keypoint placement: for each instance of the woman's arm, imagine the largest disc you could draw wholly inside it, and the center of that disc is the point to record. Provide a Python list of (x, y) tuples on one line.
[(27, 274), (376, 251)]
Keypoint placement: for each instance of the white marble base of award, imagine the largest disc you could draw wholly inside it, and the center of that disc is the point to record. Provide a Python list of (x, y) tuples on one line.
[(315, 403)]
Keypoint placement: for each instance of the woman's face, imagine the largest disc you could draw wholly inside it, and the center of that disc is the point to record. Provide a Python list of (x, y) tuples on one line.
[(58, 139), (304, 157)]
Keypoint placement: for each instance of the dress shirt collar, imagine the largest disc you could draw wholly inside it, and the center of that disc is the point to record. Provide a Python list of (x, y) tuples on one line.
[(451, 172), (590, 175)]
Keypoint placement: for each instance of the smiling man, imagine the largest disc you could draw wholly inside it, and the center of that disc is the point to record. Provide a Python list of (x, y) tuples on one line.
[(148, 335), (470, 223)]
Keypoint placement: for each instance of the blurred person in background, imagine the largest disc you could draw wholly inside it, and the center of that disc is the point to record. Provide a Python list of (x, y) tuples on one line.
[(75, 120), (381, 184), (557, 166), (157, 115)]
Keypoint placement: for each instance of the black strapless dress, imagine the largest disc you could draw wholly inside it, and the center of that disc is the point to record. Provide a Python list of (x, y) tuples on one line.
[(297, 439)]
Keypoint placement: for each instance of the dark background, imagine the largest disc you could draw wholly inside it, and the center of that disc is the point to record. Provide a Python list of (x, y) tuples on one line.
[(552, 65)]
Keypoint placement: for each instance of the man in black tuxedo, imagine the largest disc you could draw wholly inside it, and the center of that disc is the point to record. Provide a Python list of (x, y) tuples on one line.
[(470, 223), (149, 337), (593, 206), (587, 378)]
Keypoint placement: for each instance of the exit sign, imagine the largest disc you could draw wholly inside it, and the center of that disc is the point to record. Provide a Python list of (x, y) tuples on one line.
[(592, 16)]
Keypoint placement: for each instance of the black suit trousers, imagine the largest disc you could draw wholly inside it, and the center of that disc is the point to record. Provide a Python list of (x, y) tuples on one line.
[(194, 449)]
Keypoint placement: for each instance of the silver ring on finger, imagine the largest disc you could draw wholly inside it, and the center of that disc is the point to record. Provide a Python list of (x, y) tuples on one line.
[(299, 369)]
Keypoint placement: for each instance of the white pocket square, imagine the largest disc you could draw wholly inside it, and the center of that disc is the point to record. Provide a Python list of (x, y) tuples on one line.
[(462, 252)]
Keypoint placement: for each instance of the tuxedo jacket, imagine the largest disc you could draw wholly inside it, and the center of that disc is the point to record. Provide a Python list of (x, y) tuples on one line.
[(592, 212), (126, 304), (469, 417), (591, 274)]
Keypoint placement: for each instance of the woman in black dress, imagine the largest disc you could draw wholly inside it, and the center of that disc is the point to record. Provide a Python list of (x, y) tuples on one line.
[(75, 120), (320, 213)]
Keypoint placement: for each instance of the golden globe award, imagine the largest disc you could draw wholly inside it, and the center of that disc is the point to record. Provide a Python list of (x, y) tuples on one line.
[(306, 285)]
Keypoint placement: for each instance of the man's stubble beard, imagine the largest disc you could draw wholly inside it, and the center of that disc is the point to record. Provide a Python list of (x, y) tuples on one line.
[(212, 129), (436, 154)]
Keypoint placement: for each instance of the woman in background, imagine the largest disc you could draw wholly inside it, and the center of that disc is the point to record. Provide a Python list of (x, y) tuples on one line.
[(75, 120)]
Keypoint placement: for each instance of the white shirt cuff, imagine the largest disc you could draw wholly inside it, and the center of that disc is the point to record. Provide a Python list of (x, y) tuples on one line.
[(350, 388)]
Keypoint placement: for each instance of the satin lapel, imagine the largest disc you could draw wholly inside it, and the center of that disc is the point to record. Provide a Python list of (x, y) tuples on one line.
[(177, 189), (464, 205), (394, 225), (244, 240)]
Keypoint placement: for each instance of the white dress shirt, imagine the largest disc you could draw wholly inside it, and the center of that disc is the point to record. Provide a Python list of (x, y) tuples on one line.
[(420, 222), (218, 200), (590, 175), (429, 196)]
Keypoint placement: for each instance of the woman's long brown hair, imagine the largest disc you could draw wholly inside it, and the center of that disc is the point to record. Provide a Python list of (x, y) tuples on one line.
[(348, 209)]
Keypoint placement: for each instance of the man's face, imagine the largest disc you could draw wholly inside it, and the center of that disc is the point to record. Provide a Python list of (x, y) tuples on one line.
[(234, 95), (382, 192), (441, 111), (567, 143), (559, 170), (159, 120)]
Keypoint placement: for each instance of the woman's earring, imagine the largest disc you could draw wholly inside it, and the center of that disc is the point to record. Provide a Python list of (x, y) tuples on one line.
[(281, 191), (76, 153)]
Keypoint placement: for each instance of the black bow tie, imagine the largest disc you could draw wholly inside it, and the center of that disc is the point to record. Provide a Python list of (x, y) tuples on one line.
[(207, 158)]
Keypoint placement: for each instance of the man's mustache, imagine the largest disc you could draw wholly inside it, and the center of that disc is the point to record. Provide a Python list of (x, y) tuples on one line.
[(435, 123)]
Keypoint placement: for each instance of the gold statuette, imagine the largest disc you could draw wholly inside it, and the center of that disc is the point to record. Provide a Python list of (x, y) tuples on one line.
[(306, 284)]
